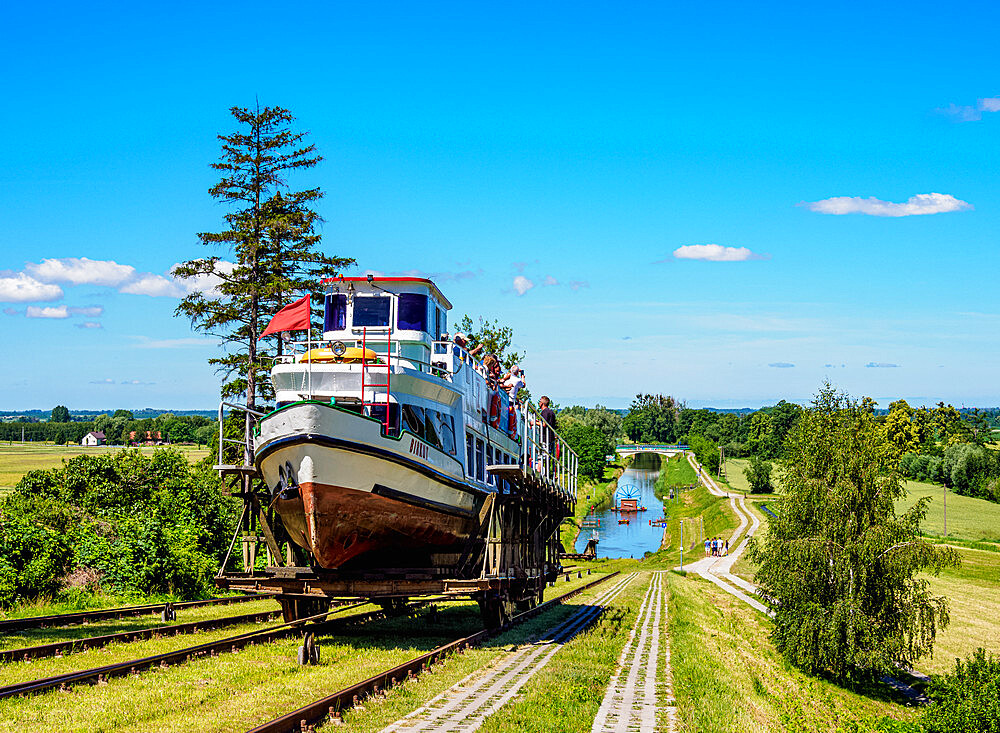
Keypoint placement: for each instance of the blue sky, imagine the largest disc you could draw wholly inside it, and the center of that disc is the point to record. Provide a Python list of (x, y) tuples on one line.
[(593, 150)]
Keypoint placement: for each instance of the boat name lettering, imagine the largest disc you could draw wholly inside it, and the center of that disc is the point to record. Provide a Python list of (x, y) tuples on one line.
[(418, 449)]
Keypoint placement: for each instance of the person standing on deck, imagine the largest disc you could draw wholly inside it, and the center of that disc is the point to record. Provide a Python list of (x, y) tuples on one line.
[(548, 434)]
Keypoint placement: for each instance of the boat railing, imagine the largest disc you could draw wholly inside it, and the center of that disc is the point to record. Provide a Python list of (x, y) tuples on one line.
[(251, 416), (545, 454)]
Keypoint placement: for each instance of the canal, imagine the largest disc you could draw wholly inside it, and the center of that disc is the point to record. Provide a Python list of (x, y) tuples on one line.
[(637, 537)]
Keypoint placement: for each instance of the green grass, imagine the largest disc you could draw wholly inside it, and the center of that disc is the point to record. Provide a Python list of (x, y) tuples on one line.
[(737, 480), (715, 515), (566, 694), (729, 677), (676, 471), (973, 592), (16, 459), (968, 518), (236, 691)]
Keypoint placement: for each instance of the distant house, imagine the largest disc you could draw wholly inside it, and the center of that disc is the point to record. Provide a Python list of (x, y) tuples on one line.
[(146, 437), (93, 438)]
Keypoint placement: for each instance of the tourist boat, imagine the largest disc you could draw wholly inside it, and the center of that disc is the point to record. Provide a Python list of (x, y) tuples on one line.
[(387, 440)]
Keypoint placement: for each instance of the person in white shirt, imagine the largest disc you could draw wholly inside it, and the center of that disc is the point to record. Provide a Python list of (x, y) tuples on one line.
[(514, 381)]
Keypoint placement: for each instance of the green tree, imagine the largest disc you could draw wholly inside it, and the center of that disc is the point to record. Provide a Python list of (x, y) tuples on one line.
[(590, 445), (493, 337), (966, 700), (270, 233), (758, 475), (902, 434), (60, 414), (838, 567)]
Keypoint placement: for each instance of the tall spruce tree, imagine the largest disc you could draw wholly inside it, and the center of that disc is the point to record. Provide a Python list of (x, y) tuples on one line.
[(838, 567), (273, 240)]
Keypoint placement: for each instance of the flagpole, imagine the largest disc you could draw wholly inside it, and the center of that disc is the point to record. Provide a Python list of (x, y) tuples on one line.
[(309, 332)]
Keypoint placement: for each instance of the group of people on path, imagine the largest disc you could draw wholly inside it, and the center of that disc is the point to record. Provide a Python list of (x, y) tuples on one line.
[(716, 547)]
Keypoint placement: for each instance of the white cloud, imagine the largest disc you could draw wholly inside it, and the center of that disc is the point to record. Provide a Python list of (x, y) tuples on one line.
[(57, 311), (880, 365), (577, 284), (89, 324), (154, 286), (549, 280), (22, 288), (522, 284), (922, 203), (781, 365), (91, 310), (12, 312), (714, 253), (971, 112), (80, 271), (103, 381)]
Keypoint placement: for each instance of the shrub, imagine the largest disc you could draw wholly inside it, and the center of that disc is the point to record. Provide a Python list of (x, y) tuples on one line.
[(758, 473), (968, 699)]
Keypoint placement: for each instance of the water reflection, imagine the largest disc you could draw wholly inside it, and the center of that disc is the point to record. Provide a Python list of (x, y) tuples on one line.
[(637, 537)]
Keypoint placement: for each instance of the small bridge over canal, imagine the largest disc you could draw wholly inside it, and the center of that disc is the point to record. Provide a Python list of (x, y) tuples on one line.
[(660, 449)]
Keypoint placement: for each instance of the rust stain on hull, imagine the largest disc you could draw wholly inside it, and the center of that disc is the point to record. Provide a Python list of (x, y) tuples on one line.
[(339, 524)]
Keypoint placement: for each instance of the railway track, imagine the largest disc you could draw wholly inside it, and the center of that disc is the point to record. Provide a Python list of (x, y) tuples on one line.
[(630, 702), (60, 648), (314, 624), (331, 706), (82, 617)]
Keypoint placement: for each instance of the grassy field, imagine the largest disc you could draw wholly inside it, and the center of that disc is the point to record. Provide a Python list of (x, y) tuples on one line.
[(713, 512), (729, 677), (973, 591), (16, 459), (676, 471), (968, 518), (737, 479), (240, 690)]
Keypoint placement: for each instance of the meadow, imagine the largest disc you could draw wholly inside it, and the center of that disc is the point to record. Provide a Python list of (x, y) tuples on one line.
[(16, 459)]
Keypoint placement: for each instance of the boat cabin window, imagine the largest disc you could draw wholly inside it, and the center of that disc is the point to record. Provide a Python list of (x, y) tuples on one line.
[(470, 455), (371, 310), (446, 431), (440, 323), (430, 430), (335, 312), (412, 314), (480, 460), (413, 419)]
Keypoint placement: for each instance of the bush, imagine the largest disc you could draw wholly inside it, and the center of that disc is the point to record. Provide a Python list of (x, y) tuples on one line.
[(123, 522), (591, 446), (758, 473), (706, 451), (968, 699)]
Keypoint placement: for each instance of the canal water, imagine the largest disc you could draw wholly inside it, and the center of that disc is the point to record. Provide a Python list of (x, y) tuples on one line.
[(637, 537)]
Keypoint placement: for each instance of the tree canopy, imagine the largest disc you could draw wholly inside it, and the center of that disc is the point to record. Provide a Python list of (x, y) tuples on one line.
[(838, 566), (271, 234)]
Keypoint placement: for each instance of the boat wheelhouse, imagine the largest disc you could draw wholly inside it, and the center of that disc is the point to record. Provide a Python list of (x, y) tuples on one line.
[(391, 447)]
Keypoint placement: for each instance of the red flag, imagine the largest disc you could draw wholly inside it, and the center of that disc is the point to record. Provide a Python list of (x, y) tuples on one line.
[(294, 317)]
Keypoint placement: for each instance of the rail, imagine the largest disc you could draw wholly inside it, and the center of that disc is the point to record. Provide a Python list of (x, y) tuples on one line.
[(545, 454), (82, 617), (180, 656), (250, 414), (331, 706)]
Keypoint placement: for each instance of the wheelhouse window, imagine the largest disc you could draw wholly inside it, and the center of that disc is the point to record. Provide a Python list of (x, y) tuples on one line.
[(371, 311), (470, 455), (412, 315), (446, 430), (413, 419), (335, 312)]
